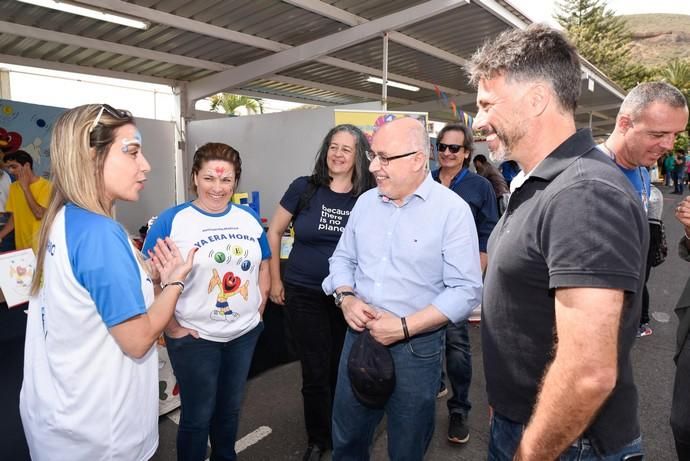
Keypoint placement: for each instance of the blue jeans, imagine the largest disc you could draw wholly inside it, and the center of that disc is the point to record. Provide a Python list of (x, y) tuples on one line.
[(505, 437), (410, 410), (212, 377), (678, 181), (459, 366)]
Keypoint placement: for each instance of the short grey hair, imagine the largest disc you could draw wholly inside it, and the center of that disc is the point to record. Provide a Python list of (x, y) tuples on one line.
[(648, 93), (537, 53)]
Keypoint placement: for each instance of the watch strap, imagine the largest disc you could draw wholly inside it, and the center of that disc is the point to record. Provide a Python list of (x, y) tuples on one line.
[(340, 296)]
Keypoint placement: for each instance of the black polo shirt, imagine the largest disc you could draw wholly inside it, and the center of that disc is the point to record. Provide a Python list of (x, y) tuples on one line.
[(575, 222)]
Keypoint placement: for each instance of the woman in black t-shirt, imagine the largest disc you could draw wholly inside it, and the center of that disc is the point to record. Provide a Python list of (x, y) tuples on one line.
[(318, 206)]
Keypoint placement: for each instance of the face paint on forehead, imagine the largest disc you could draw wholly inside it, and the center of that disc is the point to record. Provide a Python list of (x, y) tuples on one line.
[(220, 172), (126, 142)]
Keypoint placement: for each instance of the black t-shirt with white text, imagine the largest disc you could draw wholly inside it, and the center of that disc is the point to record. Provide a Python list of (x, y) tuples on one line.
[(317, 230)]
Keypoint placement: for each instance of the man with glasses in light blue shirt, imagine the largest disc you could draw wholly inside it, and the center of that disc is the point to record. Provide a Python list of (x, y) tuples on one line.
[(406, 264)]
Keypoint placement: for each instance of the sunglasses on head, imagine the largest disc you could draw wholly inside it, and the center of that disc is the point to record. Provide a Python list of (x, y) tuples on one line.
[(454, 148), (110, 110)]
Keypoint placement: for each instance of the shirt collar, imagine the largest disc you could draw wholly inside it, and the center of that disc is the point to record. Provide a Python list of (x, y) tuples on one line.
[(422, 191), (564, 155), (436, 174)]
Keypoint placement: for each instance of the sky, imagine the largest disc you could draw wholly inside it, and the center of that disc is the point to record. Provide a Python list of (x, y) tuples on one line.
[(543, 10)]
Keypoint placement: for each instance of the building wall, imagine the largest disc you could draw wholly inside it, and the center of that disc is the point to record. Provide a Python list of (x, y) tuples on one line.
[(275, 148)]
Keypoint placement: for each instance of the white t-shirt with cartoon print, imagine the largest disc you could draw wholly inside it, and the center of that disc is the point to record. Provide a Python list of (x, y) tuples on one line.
[(221, 297)]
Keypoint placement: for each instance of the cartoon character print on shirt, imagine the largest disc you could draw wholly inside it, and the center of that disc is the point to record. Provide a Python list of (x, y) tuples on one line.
[(230, 284)]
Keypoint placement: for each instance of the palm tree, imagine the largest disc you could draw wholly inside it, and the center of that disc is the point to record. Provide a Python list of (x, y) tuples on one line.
[(677, 73), (229, 103)]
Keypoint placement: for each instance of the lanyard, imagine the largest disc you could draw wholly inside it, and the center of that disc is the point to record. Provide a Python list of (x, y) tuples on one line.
[(645, 196), (456, 180)]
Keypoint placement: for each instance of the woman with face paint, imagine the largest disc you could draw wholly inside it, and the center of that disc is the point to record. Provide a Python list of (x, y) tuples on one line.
[(217, 321), (90, 362), (318, 206)]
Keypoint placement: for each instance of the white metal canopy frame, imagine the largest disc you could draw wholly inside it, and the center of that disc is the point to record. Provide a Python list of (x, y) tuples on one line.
[(317, 52)]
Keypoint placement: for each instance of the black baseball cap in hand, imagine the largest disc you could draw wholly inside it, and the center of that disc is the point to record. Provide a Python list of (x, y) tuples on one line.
[(371, 370)]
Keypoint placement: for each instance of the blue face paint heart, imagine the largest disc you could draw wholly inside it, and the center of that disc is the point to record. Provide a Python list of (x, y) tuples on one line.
[(137, 141)]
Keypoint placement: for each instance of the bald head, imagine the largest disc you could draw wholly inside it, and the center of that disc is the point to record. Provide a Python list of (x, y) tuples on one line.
[(411, 132), (401, 148)]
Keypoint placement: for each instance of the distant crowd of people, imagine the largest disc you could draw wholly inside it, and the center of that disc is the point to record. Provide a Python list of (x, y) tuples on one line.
[(389, 259)]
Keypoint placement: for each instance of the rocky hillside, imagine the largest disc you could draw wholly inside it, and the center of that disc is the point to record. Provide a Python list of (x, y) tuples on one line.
[(659, 38)]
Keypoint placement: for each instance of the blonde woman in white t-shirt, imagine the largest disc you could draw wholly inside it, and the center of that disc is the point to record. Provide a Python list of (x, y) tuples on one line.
[(90, 388)]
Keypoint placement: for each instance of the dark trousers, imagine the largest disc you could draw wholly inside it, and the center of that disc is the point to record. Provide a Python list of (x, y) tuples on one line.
[(212, 378), (318, 330), (680, 406), (459, 367)]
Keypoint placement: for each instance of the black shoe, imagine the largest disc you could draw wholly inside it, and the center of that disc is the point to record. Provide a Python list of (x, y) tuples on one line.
[(313, 453), (458, 432)]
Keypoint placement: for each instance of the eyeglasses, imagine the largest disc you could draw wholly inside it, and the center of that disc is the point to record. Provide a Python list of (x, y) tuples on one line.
[(115, 113), (454, 148), (385, 160)]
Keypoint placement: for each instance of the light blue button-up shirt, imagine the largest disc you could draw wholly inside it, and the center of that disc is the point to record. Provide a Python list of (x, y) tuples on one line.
[(403, 258)]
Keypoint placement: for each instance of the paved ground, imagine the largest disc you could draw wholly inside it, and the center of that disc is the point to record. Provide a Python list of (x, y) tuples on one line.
[(271, 427)]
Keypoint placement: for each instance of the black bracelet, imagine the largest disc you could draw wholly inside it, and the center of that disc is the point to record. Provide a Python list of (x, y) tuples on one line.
[(406, 332)]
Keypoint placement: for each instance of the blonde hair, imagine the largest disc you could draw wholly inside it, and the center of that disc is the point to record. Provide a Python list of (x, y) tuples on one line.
[(79, 146)]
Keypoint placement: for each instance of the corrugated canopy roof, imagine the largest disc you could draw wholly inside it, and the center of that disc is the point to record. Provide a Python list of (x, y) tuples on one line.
[(311, 51)]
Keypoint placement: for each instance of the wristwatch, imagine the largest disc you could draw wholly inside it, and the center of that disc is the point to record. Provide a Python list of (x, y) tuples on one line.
[(339, 297)]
